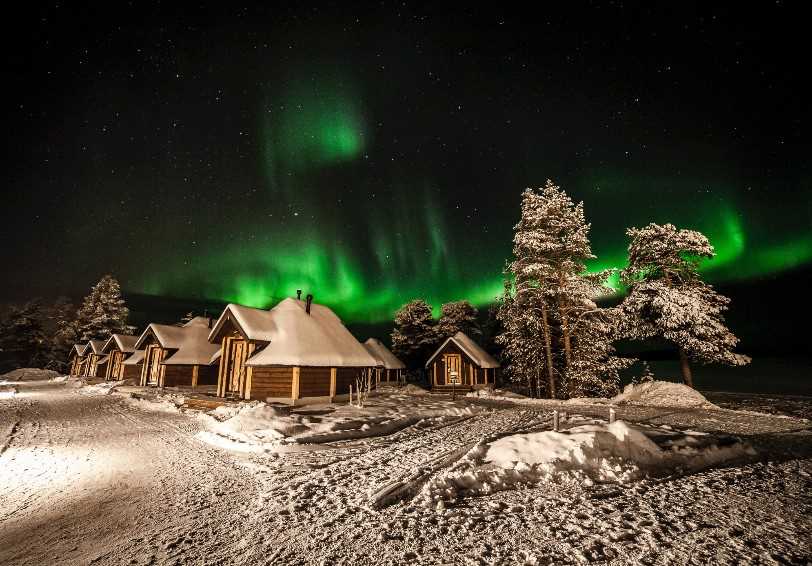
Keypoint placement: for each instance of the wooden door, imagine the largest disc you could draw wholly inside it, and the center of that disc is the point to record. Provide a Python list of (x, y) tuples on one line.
[(453, 368), (237, 367), (152, 364)]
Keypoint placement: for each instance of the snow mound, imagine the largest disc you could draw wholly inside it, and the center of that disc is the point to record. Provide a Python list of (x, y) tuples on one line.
[(412, 389), (663, 394), (617, 452), (497, 395), (105, 388), (258, 427), (29, 374)]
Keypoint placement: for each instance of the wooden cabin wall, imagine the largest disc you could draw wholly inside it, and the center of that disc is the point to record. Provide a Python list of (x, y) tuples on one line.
[(131, 371), (346, 377), (472, 374), (271, 381), (207, 375), (314, 382), (175, 375)]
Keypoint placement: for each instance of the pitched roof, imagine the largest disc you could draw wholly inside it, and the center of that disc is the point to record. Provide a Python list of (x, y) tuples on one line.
[(95, 346), (473, 350), (121, 342), (318, 339), (190, 341), (380, 352), (135, 359), (253, 324), (79, 349)]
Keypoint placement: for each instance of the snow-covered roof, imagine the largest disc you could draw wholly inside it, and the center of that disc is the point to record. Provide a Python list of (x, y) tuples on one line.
[(253, 324), (95, 346), (121, 342), (190, 341), (79, 349), (136, 358), (318, 339), (381, 353), (474, 351), (102, 360)]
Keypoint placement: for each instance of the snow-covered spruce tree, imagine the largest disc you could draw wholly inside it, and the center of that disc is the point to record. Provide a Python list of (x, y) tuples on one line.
[(458, 316), (61, 327), (668, 299), (550, 248), (22, 337), (524, 350), (414, 335), (103, 312), (594, 369)]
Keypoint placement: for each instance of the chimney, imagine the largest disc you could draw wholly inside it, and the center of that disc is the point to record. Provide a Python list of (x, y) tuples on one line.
[(298, 294), (309, 302)]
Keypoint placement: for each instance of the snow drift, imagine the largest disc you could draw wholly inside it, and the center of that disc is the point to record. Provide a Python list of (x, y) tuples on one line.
[(29, 374), (617, 452), (663, 394)]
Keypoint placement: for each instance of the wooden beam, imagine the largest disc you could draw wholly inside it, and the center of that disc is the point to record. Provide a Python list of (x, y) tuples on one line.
[(249, 374), (195, 370), (332, 383), (221, 382), (294, 393)]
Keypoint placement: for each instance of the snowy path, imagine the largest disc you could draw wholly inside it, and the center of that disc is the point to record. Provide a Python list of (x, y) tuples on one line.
[(94, 479)]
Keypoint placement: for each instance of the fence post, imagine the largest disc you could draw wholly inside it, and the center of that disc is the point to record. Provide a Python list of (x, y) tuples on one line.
[(555, 421)]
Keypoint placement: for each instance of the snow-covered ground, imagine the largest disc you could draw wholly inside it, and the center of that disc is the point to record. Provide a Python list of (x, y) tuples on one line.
[(91, 475)]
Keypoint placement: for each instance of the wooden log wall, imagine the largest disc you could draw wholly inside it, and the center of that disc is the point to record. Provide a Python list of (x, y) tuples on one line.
[(271, 381)]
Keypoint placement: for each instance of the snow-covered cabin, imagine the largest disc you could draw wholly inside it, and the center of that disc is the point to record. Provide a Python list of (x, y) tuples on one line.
[(77, 359), (459, 359), (297, 352), (177, 355), (389, 367), (118, 347), (96, 361)]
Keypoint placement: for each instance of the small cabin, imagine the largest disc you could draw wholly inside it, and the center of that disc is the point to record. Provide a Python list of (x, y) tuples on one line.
[(96, 361), (462, 363), (390, 368), (177, 355), (118, 348), (77, 359), (298, 352)]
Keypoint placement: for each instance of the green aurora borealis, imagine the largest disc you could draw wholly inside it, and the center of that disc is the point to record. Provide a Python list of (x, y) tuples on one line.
[(396, 242)]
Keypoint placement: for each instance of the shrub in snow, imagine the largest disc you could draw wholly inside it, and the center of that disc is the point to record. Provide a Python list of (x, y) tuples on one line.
[(668, 299)]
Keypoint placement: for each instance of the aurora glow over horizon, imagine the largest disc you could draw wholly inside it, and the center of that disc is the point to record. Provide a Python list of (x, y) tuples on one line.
[(372, 156)]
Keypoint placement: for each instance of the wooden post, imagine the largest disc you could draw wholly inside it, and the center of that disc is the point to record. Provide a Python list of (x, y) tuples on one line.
[(249, 375), (295, 385), (434, 365), (471, 374), (555, 421), (221, 381), (195, 370), (332, 383), (611, 415)]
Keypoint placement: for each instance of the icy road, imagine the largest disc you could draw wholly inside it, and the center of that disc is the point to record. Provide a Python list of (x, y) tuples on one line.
[(99, 479)]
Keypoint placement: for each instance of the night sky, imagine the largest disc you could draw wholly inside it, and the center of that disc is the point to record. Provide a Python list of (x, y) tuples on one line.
[(372, 155)]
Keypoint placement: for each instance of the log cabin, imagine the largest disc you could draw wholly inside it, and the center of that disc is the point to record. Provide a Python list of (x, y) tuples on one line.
[(133, 365), (390, 368), (177, 355), (119, 347), (298, 352), (462, 360), (77, 359), (96, 363)]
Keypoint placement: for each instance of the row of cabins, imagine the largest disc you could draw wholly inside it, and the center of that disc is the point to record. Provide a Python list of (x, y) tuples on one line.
[(298, 352)]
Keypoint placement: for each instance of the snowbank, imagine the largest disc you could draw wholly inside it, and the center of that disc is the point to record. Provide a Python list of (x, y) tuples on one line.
[(105, 388), (29, 374), (663, 394), (617, 452), (258, 427)]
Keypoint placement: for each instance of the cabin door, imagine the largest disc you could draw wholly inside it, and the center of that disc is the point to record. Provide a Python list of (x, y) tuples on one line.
[(239, 354), (154, 364), (453, 369)]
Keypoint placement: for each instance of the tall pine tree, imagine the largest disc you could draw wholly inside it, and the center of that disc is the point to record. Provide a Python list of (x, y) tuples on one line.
[(668, 299), (414, 335), (458, 316), (22, 335), (103, 312)]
